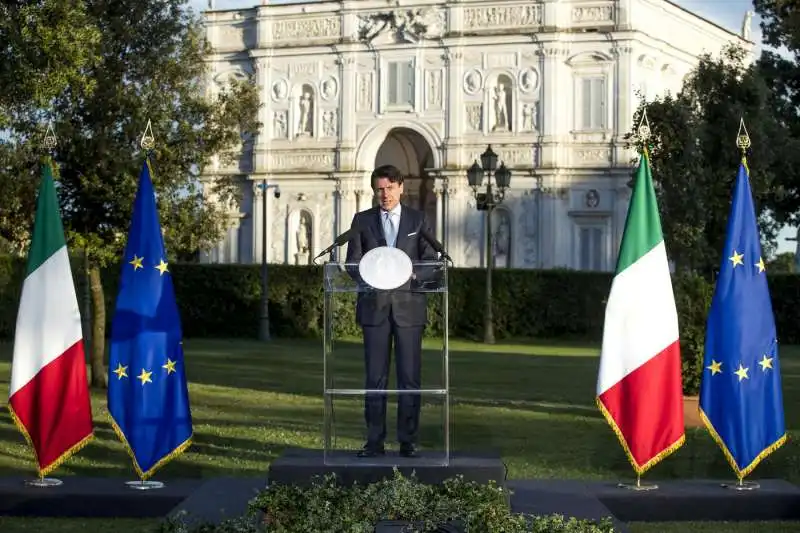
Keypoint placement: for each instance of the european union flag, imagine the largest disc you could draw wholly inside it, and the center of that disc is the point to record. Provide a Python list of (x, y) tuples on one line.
[(741, 400), (148, 397)]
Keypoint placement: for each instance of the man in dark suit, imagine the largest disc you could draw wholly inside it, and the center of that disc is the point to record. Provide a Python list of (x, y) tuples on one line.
[(388, 317)]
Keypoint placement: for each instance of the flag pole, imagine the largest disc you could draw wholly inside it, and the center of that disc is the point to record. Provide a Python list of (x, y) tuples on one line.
[(743, 143), (148, 143), (50, 143), (643, 134)]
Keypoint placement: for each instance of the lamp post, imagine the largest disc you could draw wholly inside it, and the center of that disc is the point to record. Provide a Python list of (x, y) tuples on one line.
[(263, 324), (487, 201)]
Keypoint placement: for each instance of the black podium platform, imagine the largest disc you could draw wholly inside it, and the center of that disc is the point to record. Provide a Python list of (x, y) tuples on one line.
[(302, 466)]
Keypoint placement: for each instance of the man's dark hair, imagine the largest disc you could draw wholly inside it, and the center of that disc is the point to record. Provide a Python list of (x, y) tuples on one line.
[(390, 172)]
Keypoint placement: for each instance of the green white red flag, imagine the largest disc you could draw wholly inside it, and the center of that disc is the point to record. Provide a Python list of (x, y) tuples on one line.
[(49, 392), (639, 385)]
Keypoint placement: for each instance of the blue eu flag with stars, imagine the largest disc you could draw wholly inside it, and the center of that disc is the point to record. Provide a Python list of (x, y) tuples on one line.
[(148, 397), (741, 400)]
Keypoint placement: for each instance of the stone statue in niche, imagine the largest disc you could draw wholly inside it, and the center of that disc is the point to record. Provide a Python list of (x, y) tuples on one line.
[(304, 124), (502, 240), (501, 121), (303, 236)]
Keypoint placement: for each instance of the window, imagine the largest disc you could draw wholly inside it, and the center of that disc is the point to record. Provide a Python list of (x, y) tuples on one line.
[(591, 248), (593, 104), (400, 83)]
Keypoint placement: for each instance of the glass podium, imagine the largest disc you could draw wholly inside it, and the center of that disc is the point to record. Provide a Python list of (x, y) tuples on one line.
[(345, 427)]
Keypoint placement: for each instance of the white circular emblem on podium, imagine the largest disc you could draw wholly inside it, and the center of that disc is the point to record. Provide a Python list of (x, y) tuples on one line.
[(385, 268)]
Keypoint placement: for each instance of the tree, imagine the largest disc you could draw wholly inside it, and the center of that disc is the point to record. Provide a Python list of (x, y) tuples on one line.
[(152, 67), (695, 159)]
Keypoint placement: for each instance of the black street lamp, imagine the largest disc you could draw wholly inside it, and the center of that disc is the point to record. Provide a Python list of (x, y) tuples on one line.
[(487, 201), (263, 323)]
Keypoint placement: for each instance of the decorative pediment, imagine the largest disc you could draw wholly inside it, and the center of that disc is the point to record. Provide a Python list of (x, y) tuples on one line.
[(223, 79), (402, 26), (589, 58)]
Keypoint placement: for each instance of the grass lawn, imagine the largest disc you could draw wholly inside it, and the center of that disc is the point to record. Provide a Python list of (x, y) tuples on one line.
[(533, 402)]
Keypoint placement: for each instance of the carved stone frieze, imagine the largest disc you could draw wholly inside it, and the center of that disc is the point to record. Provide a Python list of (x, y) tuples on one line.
[(434, 88), (512, 156), (302, 160), (593, 155), (280, 123), (593, 14), (493, 18), (403, 25), (306, 28)]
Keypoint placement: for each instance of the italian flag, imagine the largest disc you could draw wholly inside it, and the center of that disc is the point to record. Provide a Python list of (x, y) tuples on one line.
[(639, 386), (49, 392)]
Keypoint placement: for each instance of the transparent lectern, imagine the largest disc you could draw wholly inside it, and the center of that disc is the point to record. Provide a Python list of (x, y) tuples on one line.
[(344, 367)]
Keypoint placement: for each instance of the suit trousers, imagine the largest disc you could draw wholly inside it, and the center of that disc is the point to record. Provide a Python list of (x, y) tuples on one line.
[(378, 340)]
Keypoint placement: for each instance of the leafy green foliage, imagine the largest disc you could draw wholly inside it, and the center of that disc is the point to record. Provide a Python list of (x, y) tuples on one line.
[(326, 505), (45, 48), (692, 298), (695, 159), (146, 62)]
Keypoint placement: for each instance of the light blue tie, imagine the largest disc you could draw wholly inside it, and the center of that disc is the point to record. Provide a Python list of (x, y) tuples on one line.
[(388, 229)]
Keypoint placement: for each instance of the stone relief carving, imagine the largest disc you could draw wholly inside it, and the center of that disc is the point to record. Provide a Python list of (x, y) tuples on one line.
[(477, 18), (502, 238), (592, 14), (526, 239), (592, 198), (307, 28), (303, 160), (530, 116), (404, 25), (473, 115), (434, 88), (329, 123), (529, 80), (364, 91), (329, 88), (305, 124), (280, 89), (473, 81), (302, 69), (472, 234), (512, 156), (600, 155), (224, 79), (501, 99), (280, 121)]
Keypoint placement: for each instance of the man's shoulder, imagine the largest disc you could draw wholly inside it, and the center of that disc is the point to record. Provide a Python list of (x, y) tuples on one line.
[(413, 211), (366, 212)]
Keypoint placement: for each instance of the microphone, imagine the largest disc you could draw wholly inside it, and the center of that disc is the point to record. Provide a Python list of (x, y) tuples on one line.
[(340, 240), (437, 246)]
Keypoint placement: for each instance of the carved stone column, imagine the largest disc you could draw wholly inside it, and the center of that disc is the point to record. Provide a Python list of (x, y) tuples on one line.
[(347, 103), (623, 105), (263, 81)]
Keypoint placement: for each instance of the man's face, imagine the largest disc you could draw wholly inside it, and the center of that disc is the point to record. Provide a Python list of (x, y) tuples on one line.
[(388, 193)]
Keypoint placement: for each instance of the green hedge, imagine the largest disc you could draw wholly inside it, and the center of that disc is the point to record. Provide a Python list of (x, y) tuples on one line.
[(223, 301)]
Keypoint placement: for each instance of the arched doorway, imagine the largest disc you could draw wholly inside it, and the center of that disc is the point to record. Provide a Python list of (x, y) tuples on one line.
[(412, 154)]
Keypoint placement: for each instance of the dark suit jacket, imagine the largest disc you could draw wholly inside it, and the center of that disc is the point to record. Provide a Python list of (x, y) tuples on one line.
[(406, 307)]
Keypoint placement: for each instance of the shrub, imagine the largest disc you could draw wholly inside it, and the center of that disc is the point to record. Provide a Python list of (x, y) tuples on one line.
[(326, 505)]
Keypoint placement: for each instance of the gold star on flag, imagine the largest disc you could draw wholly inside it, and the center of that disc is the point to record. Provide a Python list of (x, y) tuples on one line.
[(766, 362), (144, 377), (170, 366), (162, 267), (742, 372), (136, 262), (760, 265), (121, 371), (715, 367), (736, 259)]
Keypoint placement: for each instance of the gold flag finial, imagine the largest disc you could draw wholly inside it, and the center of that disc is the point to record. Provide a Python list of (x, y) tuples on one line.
[(50, 140), (148, 141), (742, 137), (644, 127)]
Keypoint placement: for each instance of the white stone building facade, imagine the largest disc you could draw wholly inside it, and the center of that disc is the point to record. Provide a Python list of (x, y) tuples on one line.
[(426, 85)]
